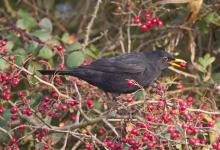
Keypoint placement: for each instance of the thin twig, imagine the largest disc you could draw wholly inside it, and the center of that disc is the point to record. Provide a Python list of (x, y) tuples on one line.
[(89, 27), (6, 132), (110, 126), (183, 73), (65, 141), (129, 33), (38, 78)]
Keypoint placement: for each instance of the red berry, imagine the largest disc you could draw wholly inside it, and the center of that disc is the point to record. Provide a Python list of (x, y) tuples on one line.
[(59, 48), (150, 118), (20, 94), (174, 135), (171, 129), (73, 102), (183, 65), (131, 141), (180, 86), (192, 141), (160, 104), (144, 27), (147, 15), (90, 104), (25, 101), (14, 141), (128, 4), (23, 110), (130, 82), (155, 20), (135, 131), (3, 43), (124, 140), (14, 110), (101, 131), (189, 131), (12, 57), (173, 112), (1, 110), (5, 51), (210, 124), (202, 141), (63, 107), (138, 19), (73, 117), (109, 144), (150, 106), (7, 78), (29, 113), (215, 145), (150, 24), (160, 22), (61, 66), (15, 82), (130, 99)]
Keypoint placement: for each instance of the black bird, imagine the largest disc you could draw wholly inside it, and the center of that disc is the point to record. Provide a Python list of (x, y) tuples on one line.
[(112, 74)]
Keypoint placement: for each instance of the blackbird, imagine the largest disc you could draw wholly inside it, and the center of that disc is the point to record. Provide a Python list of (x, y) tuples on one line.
[(112, 74)]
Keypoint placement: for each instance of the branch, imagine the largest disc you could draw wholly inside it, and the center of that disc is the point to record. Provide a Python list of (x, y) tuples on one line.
[(38, 78), (89, 27)]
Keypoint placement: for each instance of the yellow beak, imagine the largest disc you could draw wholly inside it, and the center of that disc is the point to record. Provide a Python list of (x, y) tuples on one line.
[(178, 63)]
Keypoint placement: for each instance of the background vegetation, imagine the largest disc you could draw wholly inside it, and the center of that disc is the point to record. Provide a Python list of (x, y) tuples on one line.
[(42, 112)]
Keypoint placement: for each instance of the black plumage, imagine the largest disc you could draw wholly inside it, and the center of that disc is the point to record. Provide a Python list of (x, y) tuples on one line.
[(111, 74)]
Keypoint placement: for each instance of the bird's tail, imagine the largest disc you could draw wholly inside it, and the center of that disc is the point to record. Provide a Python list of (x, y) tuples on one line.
[(53, 72)]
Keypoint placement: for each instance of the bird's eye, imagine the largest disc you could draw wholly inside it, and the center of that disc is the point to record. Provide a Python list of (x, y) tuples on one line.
[(165, 59)]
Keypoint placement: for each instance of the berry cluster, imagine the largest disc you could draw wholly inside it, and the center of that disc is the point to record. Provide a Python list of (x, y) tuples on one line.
[(146, 21), (3, 49)]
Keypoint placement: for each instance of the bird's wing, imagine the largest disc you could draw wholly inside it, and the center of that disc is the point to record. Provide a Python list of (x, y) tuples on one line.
[(129, 63)]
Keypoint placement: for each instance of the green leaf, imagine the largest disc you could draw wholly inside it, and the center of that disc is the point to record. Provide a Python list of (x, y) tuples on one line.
[(75, 59), (65, 37), (42, 35), (33, 67), (205, 62), (213, 18), (3, 64), (46, 24), (203, 26), (45, 53), (97, 105), (92, 51), (138, 95), (25, 21), (74, 46), (9, 45), (19, 56)]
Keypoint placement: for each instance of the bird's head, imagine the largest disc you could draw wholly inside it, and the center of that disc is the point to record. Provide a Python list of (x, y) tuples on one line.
[(166, 60)]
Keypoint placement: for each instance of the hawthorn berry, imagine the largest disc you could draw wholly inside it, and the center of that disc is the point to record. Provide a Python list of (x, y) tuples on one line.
[(138, 19), (14, 110), (73, 117), (5, 51), (147, 15), (59, 48), (130, 99), (90, 103), (144, 27), (3, 43), (130, 82), (12, 57), (159, 22), (1, 110)]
